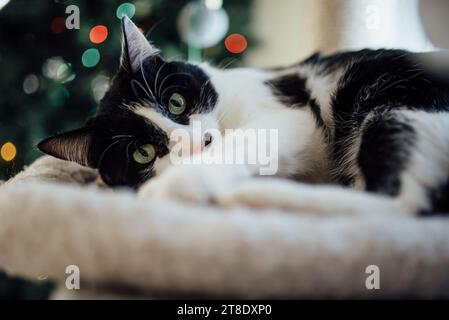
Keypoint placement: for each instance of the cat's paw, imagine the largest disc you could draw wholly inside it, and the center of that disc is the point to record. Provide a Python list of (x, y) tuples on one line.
[(191, 183)]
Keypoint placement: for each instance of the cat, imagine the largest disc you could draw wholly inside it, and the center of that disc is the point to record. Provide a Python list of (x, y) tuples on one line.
[(363, 132)]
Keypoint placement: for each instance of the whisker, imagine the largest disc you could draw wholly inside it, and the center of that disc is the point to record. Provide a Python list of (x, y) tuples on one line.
[(174, 57), (171, 75), (153, 27), (122, 136), (228, 63), (157, 76), (146, 173), (170, 87), (223, 115), (107, 149), (134, 81), (202, 90), (145, 78), (127, 154)]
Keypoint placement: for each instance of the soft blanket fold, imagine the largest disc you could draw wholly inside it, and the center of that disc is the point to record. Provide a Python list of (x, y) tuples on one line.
[(117, 240)]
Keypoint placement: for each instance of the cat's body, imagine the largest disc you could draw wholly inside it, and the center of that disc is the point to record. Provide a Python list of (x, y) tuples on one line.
[(372, 121), (384, 120)]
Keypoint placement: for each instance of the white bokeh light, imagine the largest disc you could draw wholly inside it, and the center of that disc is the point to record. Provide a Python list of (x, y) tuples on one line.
[(213, 4), (3, 3), (99, 86), (31, 84)]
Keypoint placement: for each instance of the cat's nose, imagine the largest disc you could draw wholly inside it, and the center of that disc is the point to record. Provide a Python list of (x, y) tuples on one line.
[(199, 146), (207, 139)]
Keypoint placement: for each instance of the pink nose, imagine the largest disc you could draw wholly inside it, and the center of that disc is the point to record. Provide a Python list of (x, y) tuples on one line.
[(197, 147)]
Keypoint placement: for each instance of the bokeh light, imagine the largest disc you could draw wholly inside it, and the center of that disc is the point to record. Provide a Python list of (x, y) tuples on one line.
[(236, 43), (213, 4), (8, 151), (143, 7), (58, 96), (51, 66), (57, 69), (99, 85), (58, 25), (126, 9), (98, 34), (65, 74), (30, 84), (3, 3), (90, 58)]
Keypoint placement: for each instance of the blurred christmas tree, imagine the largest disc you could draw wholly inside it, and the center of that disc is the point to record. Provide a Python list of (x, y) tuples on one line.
[(52, 77)]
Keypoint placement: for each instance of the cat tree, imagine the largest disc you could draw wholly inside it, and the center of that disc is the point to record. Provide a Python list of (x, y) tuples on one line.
[(53, 216)]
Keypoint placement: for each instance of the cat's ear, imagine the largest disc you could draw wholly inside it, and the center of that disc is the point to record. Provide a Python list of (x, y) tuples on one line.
[(135, 47), (72, 146)]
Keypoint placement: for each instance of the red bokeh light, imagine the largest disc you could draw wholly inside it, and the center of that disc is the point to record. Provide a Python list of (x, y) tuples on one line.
[(98, 34), (58, 25), (236, 43)]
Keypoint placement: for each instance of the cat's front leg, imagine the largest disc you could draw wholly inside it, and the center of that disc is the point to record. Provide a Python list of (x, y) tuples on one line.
[(308, 199), (205, 176), (198, 183)]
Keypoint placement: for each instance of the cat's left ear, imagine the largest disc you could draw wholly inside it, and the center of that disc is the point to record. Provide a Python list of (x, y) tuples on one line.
[(72, 146), (135, 47)]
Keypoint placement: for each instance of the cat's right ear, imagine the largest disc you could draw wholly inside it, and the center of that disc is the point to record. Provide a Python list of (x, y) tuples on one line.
[(72, 146), (135, 47)]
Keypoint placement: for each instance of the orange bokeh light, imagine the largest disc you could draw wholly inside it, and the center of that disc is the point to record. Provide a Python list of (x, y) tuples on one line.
[(98, 34), (236, 43), (8, 151)]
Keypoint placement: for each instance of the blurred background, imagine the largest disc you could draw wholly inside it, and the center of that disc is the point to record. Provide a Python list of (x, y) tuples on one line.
[(52, 76)]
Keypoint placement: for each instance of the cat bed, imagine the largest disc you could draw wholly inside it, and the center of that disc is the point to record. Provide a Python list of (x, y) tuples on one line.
[(52, 215)]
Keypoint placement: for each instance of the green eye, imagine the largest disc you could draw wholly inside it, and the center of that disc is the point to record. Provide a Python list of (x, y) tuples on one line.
[(144, 154), (176, 104)]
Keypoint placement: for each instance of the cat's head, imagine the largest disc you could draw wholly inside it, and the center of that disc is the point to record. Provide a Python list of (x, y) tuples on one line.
[(128, 140)]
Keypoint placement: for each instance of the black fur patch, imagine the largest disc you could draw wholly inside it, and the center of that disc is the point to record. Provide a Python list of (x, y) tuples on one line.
[(439, 198), (316, 111), (291, 90), (384, 152)]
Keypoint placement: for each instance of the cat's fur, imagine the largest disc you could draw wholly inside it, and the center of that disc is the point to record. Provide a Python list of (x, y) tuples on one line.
[(372, 125)]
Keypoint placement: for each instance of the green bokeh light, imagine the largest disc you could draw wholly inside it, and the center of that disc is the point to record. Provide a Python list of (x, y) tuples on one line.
[(58, 95), (126, 9), (90, 58), (65, 73)]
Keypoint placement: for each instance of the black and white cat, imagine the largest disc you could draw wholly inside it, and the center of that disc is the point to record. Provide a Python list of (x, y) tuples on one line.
[(369, 131)]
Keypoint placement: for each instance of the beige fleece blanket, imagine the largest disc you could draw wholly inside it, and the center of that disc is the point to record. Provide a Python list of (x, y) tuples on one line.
[(53, 216)]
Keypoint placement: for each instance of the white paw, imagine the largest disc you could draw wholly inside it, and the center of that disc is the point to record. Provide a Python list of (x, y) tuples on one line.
[(191, 183)]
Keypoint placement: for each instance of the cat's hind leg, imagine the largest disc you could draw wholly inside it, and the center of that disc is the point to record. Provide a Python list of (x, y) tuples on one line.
[(401, 161), (308, 199)]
